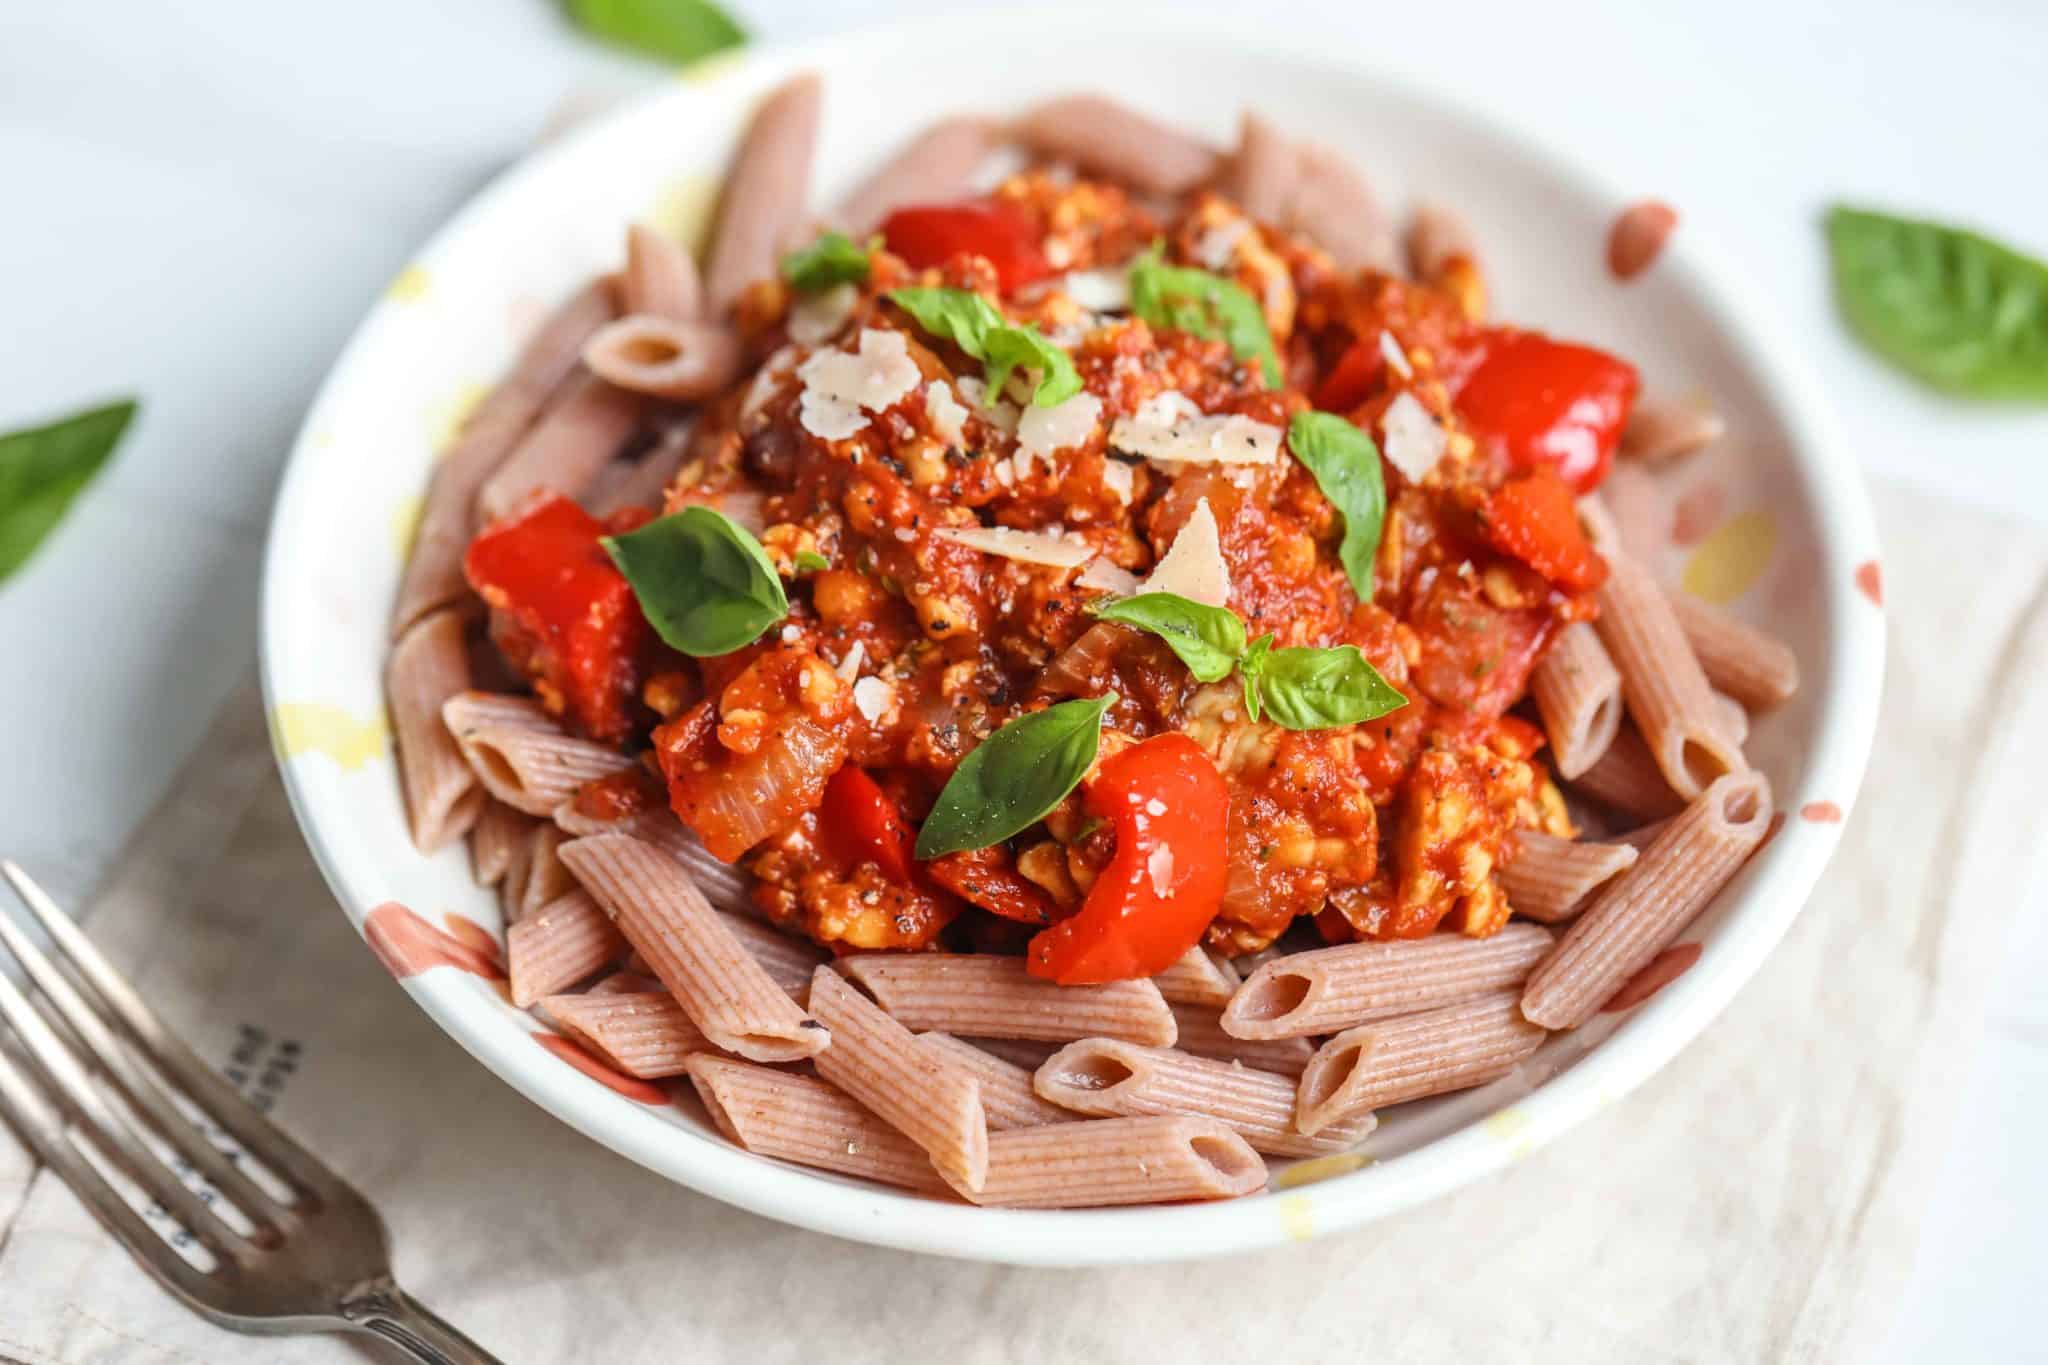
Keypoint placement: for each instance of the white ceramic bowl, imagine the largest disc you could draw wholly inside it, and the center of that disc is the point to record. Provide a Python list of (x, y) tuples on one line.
[(1787, 537)]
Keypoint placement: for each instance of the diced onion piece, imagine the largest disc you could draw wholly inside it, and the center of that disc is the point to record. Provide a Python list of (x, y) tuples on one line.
[(1107, 576), (1412, 439), (1042, 430), (1026, 547), (873, 698), (1164, 428), (839, 384), (1193, 565), (947, 416), (1218, 244), (1107, 290), (1397, 359), (744, 509), (849, 667), (817, 318)]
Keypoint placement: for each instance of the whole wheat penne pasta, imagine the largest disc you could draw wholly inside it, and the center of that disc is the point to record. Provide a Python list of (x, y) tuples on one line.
[(983, 995), (433, 574), (724, 885), (1578, 695), (1628, 512), (645, 482), (512, 886), (924, 1095), (1200, 1030), (660, 279), (558, 945), (625, 982), (1734, 720), (520, 755), (763, 202), (1006, 1094), (1114, 1079), (795, 1118), (546, 877), (1666, 692), (1110, 139), (1642, 836), (642, 1033), (1264, 173), (1198, 978), (1118, 1161), (1437, 236), (1756, 669), (1661, 429), (1627, 778), (932, 168), (663, 358), (429, 664), (1335, 204), (692, 949), (492, 838), (1025, 1053), (584, 426), (1549, 878), (1328, 989), (788, 960), (1649, 905), (1454, 1047)]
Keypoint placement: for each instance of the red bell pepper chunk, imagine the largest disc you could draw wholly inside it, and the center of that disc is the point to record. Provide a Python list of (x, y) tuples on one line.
[(562, 613), (860, 823), (1549, 405), (929, 235), (1168, 807), (1534, 519), (984, 877), (1350, 381)]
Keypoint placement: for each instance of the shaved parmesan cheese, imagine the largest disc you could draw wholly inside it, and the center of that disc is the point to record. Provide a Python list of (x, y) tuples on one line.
[(1026, 547), (1041, 431), (1193, 565), (817, 318), (1171, 428), (873, 698), (948, 418), (1108, 577), (839, 384), (1411, 438), (1099, 291), (849, 667), (1003, 416), (1218, 244), (1120, 479), (1395, 356)]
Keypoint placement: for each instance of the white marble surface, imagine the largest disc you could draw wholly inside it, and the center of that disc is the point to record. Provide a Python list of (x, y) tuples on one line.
[(200, 200)]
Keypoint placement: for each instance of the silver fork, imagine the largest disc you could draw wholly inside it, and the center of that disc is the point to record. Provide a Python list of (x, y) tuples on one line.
[(313, 1255)]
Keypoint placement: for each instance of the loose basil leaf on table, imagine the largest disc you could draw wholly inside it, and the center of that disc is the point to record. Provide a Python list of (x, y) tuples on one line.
[(706, 586), (1304, 688), (1207, 639), (679, 30), (1190, 300), (972, 323), (1015, 777), (43, 468), (1961, 312), (833, 259), (1346, 465)]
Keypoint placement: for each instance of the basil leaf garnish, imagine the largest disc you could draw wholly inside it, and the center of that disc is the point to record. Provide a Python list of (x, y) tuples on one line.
[(1207, 639), (43, 468), (706, 586), (1012, 779), (972, 323), (1248, 671), (679, 30), (810, 561), (1304, 688), (833, 259), (1189, 300), (1959, 311), (1346, 464)]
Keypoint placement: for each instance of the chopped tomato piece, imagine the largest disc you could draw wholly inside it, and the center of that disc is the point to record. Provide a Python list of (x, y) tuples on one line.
[(929, 235), (1545, 404), (1350, 381), (1535, 519), (984, 877), (860, 823)]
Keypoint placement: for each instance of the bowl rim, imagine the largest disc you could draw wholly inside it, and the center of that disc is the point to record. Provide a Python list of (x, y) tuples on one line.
[(1836, 760)]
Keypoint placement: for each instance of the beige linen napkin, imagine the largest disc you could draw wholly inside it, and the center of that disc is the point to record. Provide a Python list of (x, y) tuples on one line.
[(1758, 1200)]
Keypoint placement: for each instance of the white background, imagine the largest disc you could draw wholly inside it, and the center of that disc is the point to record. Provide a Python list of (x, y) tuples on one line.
[(197, 201)]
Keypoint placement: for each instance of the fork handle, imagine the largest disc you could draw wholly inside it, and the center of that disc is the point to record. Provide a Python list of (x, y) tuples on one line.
[(385, 1311)]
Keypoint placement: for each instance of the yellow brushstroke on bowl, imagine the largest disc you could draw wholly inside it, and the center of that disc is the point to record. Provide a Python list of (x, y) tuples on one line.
[(445, 418), (1320, 1168), (1732, 558), (405, 524), (410, 285), (707, 70), (1511, 1127), (1297, 1217), (318, 728), (683, 209)]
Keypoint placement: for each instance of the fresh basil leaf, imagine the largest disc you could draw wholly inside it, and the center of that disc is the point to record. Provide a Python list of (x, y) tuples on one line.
[(1346, 464), (1248, 671), (1014, 778), (1319, 689), (1207, 639), (43, 468), (1959, 311), (810, 561), (972, 323), (678, 30), (706, 586), (1188, 300), (833, 259)]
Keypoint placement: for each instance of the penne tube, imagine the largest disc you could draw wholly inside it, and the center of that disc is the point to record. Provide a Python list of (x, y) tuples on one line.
[(642, 1033), (645, 483), (1642, 836), (428, 665), (493, 838), (1200, 1031), (1264, 173), (1118, 1161), (1733, 719), (1325, 990), (691, 947), (546, 878), (1389, 1061), (1198, 978), (1112, 140), (763, 203), (1756, 669), (1578, 695), (583, 427), (1661, 429), (1023, 1053), (935, 167), (626, 982), (1112, 1079), (566, 941), (1649, 905), (1438, 237), (1006, 1094), (520, 755), (794, 1118), (982, 995), (1335, 204), (663, 358), (433, 574), (1628, 512), (920, 1092), (724, 885), (788, 960), (660, 279), (1627, 779), (512, 887), (1548, 878)]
